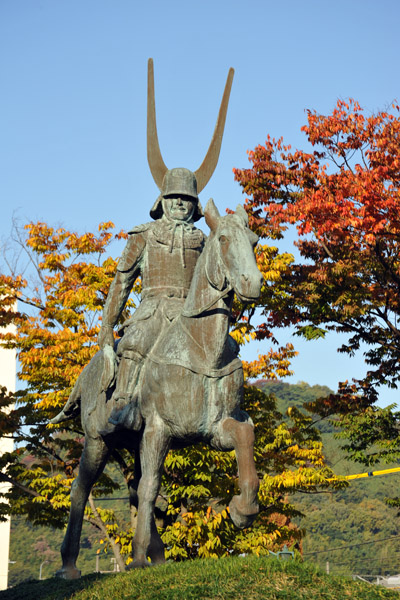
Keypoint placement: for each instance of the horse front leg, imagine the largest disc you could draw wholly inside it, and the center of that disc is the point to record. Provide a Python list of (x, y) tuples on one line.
[(93, 460), (239, 436), (156, 547), (153, 450)]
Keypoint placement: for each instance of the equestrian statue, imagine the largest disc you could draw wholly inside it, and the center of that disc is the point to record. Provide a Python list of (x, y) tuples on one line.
[(173, 378)]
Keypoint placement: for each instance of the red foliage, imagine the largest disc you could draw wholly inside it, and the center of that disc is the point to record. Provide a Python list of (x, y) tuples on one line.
[(343, 196)]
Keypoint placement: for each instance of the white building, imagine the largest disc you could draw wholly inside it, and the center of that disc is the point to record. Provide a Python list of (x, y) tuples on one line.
[(393, 581), (7, 379)]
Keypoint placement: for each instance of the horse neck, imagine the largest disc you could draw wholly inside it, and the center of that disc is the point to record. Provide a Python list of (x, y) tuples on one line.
[(206, 313)]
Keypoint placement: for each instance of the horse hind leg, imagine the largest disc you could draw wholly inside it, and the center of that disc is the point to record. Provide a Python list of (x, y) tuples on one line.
[(93, 460), (237, 435)]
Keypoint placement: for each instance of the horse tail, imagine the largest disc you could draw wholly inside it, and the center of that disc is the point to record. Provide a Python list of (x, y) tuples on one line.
[(101, 371), (73, 406)]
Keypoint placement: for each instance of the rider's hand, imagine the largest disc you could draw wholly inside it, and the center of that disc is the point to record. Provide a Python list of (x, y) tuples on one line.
[(106, 336)]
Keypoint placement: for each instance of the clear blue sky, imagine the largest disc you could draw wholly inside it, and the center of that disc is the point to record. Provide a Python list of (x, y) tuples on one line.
[(73, 102)]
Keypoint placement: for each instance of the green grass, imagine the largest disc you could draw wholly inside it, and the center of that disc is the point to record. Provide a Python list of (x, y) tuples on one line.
[(234, 578)]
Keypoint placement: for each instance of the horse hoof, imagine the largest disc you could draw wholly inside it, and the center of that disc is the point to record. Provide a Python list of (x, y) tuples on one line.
[(139, 564), (157, 560), (240, 517), (68, 573)]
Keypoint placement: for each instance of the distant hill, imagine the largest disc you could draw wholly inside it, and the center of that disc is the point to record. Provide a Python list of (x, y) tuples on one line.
[(289, 394), (357, 515)]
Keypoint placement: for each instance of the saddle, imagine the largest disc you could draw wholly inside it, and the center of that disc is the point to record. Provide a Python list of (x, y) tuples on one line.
[(170, 350)]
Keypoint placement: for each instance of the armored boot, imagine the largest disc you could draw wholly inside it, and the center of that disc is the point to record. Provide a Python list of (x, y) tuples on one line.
[(126, 412)]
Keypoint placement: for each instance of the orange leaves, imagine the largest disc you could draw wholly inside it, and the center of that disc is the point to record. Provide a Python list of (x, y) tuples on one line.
[(345, 189), (341, 131)]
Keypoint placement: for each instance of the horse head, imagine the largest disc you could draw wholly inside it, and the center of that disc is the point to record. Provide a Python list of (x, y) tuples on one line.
[(232, 263)]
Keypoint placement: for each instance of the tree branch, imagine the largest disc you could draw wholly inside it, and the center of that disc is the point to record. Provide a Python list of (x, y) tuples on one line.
[(99, 523), (14, 482)]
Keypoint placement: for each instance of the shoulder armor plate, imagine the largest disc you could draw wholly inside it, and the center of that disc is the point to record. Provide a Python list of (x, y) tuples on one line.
[(140, 228)]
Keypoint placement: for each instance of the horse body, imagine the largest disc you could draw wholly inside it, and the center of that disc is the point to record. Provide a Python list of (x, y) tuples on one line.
[(201, 402), (191, 387)]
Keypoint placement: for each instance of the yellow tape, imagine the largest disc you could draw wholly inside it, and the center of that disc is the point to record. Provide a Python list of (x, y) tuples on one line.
[(369, 474)]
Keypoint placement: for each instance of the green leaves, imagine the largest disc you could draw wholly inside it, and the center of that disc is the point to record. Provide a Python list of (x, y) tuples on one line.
[(311, 332)]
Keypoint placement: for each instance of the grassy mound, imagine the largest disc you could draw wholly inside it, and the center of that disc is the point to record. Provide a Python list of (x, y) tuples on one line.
[(249, 578)]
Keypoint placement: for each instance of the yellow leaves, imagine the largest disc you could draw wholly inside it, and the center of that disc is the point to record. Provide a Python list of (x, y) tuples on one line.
[(272, 275), (271, 264), (303, 456), (291, 480), (273, 365), (105, 226), (198, 532), (241, 334), (58, 337), (47, 241), (261, 541)]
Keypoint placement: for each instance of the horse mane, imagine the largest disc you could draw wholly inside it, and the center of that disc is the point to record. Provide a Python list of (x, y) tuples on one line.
[(208, 284)]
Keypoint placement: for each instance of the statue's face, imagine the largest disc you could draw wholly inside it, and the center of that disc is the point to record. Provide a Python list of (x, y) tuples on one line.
[(179, 208)]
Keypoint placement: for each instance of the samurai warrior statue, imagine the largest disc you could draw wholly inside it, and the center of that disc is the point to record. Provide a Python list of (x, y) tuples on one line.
[(164, 253)]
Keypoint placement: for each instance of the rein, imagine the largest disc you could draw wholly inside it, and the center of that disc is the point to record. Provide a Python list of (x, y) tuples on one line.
[(199, 311)]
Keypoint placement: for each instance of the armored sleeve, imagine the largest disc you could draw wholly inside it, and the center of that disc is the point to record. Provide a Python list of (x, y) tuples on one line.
[(134, 249), (128, 269)]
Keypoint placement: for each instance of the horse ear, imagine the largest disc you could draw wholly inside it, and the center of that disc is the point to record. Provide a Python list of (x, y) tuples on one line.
[(211, 214), (240, 211)]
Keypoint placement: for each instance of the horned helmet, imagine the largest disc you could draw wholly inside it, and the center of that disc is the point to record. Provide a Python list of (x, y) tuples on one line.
[(180, 181)]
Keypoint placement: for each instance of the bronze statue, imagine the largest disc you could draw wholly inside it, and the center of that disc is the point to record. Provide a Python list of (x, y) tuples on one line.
[(164, 253), (173, 379)]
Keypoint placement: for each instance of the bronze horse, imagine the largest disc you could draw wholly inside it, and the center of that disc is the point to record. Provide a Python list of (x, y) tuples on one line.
[(191, 387)]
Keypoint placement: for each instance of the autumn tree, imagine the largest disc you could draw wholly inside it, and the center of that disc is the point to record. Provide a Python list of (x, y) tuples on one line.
[(57, 321), (59, 306), (343, 197)]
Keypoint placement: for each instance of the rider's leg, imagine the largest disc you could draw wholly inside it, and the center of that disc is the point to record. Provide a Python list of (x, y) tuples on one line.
[(132, 349), (126, 401), (128, 373)]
